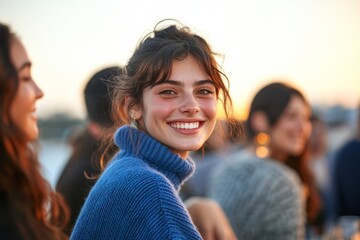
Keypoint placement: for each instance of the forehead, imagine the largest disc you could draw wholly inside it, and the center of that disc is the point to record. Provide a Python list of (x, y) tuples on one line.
[(188, 67), (18, 53), (296, 103)]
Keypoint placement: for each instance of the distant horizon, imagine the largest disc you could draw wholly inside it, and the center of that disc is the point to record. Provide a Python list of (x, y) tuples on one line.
[(240, 116)]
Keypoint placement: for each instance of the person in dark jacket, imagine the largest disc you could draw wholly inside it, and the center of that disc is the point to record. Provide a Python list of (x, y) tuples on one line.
[(347, 178), (76, 178)]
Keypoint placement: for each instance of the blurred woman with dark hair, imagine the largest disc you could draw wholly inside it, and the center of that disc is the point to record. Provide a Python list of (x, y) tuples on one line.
[(271, 190), (287, 116), (29, 207)]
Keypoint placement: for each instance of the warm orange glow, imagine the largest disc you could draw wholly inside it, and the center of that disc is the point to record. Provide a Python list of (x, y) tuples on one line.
[(262, 138), (262, 151), (237, 112)]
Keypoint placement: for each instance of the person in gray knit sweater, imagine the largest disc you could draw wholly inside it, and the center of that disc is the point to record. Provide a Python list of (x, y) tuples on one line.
[(267, 190), (261, 198)]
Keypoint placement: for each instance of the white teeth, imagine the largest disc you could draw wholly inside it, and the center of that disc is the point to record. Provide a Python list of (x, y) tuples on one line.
[(191, 125)]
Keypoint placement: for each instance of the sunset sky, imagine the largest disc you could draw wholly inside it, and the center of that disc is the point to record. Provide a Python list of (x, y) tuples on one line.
[(315, 44)]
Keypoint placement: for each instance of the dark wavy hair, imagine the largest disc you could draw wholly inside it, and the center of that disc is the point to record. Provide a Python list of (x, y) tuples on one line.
[(34, 208), (272, 100), (151, 64)]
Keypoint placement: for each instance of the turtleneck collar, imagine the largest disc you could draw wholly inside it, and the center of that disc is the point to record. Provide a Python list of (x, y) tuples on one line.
[(134, 142)]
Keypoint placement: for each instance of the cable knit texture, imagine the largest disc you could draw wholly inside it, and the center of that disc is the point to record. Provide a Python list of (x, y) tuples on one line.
[(137, 195), (262, 199)]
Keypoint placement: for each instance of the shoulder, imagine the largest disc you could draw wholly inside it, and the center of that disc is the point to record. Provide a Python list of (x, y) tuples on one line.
[(349, 148), (346, 161), (260, 196), (134, 199), (129, 179), (126, 185), (256, 169), (253, 178)]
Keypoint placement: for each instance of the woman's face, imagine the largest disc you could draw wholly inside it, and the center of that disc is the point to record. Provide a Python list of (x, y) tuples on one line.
[(292, 130), (180, 112), (22, 110)]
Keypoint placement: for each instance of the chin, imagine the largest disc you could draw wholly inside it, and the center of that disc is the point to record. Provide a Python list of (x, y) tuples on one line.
[(296, 152), (194, 147), (32, 135), (185, 148)]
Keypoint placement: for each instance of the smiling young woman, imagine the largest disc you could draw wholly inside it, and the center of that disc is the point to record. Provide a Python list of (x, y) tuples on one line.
[(180, 112), (167, 98), (29, 207)]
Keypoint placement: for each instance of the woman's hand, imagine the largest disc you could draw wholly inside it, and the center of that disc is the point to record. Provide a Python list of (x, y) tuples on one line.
[(209, 219)]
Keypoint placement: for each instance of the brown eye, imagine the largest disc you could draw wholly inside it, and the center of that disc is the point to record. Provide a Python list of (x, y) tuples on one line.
[(205, 91), (26, 79), (167, 92)]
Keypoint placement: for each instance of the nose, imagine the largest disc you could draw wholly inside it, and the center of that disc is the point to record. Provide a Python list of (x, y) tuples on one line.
[(38, 91), (189, 104)]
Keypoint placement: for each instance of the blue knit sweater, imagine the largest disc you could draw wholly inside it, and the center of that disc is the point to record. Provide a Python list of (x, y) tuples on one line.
[(137, 195)]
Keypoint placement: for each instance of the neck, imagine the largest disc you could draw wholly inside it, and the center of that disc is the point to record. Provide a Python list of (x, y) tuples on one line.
[(279, 156)]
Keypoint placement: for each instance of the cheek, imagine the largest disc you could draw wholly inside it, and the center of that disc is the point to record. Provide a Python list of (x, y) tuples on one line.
[(285, 127), (277, 136), (21, 117), (155, 109), (20, 111), (307, 131), (16, 108), (279, 133), (210, 108), (160, 107)]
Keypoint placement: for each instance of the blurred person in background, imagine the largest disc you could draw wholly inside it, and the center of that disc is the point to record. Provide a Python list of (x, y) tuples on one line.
[(29, 208), (347, 176), (268, 189), (318, 152), (320, 163), (77, 177)]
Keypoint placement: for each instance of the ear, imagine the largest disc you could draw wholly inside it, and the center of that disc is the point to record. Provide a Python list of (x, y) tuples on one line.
[(259, 122), (135, 112)]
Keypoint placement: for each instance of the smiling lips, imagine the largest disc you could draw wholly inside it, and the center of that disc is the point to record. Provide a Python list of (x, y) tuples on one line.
[(185, 125)]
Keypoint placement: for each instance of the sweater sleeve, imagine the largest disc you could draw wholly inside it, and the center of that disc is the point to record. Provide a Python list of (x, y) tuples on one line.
[(139, 204)]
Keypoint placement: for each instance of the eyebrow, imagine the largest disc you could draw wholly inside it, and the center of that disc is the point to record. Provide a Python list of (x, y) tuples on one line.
[(197, 83), (201, 82), (24, 65)]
